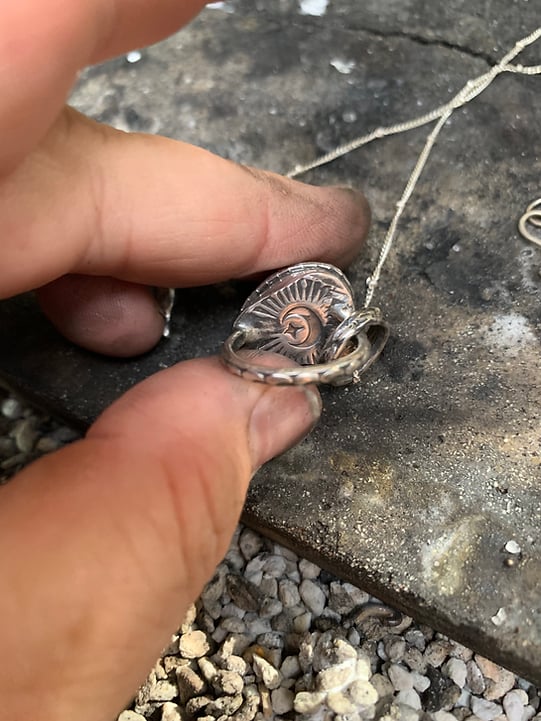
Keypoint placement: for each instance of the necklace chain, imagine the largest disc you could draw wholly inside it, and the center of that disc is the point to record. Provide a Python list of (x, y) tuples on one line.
[(471, 90)]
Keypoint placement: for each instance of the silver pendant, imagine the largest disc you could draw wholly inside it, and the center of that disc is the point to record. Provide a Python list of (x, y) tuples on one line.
[(306, 313)]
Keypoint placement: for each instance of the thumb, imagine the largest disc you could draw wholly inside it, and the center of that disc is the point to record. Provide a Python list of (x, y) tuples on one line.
[(105, 543)]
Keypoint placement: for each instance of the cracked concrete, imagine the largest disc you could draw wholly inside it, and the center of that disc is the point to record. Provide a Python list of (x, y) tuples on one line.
[(438, 42), (414, 481)]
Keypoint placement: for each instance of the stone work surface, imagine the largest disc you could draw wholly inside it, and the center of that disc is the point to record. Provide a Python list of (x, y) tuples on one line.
[(423, 483)]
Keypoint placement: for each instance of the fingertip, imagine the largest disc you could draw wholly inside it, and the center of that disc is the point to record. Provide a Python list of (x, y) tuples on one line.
[(283, 415), (349, 219), (357, 217), (311, 222), (103, 315)]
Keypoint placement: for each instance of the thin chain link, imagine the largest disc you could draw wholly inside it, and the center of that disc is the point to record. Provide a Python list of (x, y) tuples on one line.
[(471, 90)]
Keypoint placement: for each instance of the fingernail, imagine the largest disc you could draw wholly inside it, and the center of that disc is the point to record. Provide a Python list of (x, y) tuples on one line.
[(282, 417)]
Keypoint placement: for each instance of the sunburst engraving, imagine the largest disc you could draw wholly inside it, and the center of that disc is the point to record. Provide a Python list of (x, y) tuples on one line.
[(295, 310), (300, 315)]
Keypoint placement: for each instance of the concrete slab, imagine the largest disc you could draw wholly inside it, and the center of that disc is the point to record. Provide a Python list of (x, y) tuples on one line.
[(417, 479)]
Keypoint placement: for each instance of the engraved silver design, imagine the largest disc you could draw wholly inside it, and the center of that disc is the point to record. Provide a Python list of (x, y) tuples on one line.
[(306, 313)]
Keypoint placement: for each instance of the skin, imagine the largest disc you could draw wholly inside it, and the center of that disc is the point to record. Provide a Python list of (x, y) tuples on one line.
[(104, 544)]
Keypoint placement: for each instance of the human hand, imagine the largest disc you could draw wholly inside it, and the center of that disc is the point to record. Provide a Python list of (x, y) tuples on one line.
[(104, 544)]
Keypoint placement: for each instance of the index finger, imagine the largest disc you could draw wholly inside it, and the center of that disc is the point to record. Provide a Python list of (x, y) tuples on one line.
[(44, 43), (147, 209)]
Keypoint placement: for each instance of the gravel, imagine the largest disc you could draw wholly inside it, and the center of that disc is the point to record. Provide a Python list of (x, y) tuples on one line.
[(274, 637)]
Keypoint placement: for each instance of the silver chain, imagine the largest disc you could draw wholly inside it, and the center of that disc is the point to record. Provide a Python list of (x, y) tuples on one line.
[(471, 90)]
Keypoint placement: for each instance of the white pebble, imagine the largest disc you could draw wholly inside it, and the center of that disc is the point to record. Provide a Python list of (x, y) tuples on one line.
[(230, 625), (25, 435), (130, 716), (237, 664), (410, 698), (464, 699), (270, 676), (358, 597), (229, 682), (416, 639), (436, 652), (313, 596), (193, 644), (395, 647), (256, 626), (214, 609), (363, 693), (288, 593), (287, 553), (207, 668), (271, 641), (171, 712), (476, 680), (524, 685), (400, 678), (235, 559), (255, 565), (282, 700), (512, 547), (290, 667), (134, 56), (485, 710), (336, 676), (444, 716), (308, 701), (231, 610), (220, 634), (294, 576), (163, 691), (188, 621), (405, 713), (461, 652), (254, 577), (456, 670), (12, 409), (500, 617), (46, 444), (295, 611), (514, 703), (302, 623), (190, 684), (250, 543), (382, 685), (172, 663), (238, 643), (308, 570), (160, 671), (269, 586), (275, 566), (420, 682)]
